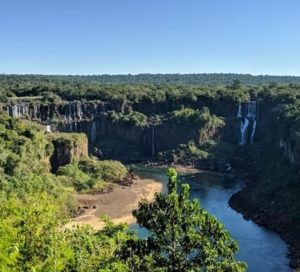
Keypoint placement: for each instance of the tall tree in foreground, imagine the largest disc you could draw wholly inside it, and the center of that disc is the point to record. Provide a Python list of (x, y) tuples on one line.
[(184, 237)]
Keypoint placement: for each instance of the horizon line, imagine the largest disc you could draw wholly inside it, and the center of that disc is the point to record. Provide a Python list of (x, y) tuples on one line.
[(147, 73)]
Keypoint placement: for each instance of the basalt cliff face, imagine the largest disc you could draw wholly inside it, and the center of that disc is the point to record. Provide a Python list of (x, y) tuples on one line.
[(112, 139), (245, 123)]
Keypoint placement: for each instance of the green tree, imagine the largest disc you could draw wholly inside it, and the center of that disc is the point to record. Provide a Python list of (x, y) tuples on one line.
[(96, 251), (236, 84), (184, 237)]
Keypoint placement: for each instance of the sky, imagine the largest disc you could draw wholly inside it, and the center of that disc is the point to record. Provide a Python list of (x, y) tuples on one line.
[(150, 36)]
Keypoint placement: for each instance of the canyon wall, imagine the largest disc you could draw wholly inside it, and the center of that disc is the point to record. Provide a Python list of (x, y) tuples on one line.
[(93, 119)]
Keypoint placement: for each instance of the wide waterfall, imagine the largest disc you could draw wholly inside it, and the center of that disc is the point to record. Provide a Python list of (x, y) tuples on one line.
[(247, 113), (64, 112)]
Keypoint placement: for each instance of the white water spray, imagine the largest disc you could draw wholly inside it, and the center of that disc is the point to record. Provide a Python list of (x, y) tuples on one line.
[(79, 111), (93, 132), (253, 131), (48, 128), (239, 114), (244, 126)]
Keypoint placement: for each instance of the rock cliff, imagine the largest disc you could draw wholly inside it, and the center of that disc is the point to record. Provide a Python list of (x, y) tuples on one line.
[(68, 147)]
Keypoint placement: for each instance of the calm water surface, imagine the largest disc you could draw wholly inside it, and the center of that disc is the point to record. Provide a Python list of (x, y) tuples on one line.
[(262, 249)]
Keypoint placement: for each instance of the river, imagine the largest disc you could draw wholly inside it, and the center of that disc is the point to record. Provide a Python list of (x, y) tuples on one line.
[(263, 250)]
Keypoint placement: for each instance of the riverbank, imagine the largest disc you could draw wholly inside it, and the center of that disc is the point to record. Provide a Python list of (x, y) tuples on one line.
[(267, 217), (263, 214), (213, 191), (118, 204), (188, 169)]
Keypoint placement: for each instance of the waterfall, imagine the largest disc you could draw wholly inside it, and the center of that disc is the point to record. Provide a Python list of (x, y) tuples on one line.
[(251, 112), (48, 128), (239, 114), (75, 126), (93, 132), (244, 126), (247, 112), (253, 131), (79, 110), (69, 115), (14, 112), (153, 141)]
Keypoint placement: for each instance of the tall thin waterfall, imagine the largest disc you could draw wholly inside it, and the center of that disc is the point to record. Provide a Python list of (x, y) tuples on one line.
[(253, 131), (153, 141), (93, 132), (244, 126), (247, 112), (69, 114), (239, 114), (79, 111)]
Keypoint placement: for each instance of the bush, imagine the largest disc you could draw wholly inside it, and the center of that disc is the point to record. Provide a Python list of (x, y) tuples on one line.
[(92, 175)]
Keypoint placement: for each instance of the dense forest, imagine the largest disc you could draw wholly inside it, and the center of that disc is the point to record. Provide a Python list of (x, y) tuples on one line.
[(194, 79), (53, 89)]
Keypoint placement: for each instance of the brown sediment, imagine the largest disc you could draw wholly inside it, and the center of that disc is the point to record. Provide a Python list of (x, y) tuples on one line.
[(189, 169), (184, 169), (118, 204)]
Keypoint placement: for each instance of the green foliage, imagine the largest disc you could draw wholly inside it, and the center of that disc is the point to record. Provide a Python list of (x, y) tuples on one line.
[(195, 79), (92, 175), (72, 140), (185, 154), (29, 235), (145, 88), (110, 171), (50, 97), (134, 118), (24, 166), (76, 178), (207, 125), (33, 238), (184, 237), (97, 251), (201, 118)]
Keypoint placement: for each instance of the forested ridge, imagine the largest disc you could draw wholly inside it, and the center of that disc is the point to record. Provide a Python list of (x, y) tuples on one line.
[(194, 79), (68, 88)]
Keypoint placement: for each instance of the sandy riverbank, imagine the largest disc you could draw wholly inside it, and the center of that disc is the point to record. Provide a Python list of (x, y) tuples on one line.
[(189, 169), (183, 169), (118, 204)]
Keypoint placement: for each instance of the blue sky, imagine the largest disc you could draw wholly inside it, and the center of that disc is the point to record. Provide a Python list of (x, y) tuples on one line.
[(157, 36)]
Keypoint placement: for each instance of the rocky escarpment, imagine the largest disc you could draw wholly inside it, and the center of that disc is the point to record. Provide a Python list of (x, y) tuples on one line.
[(111, 138), (68, 147)]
